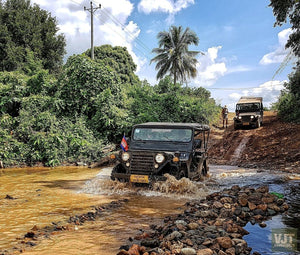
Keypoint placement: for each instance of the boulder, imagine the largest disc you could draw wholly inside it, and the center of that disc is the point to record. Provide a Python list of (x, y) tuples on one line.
[(225, 242), (174, 235), (188, 251), (205, 252), (193, 225)]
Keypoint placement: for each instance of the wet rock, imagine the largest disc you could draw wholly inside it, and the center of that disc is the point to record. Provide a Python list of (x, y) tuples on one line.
[(217, 205), (235, 188), (279, 201), (9, 197), (251, 206), (152, 243), (207, 242), (30, 244), (135, 250), (243, 201), (238, 211), (202, 214), (225, 242), (274, 207), (123, 252), (205, 252), (262, 207), (268, 198), (263, 189), (227, 205), (193, 226), (259, 212), (29, 235), (182, 222), (262, 225), (255, 198), (174, 235), (224, 200), (231, 251), (188, 251), (124, 247), (271, 212)]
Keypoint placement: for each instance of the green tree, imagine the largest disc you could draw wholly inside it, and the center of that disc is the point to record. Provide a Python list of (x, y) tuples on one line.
[(24, 29), (173, 56), (93, 90), (119, 59), (288, 104), (284, 10)]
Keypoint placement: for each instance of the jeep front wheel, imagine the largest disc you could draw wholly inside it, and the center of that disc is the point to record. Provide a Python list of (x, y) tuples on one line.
[(257, 124)]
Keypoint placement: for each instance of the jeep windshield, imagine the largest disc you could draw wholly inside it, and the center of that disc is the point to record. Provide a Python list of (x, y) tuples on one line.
[(249, 107), (162, 134)]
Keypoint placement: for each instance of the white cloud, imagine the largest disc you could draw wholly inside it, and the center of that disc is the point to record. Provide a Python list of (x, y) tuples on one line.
[(238, 69), (279, 54), (111, 25), (269, 90), (208, 68), (165, 6)]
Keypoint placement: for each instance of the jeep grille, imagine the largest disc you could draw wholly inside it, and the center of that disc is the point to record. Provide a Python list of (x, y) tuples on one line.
[(142, 163), (246, 118)]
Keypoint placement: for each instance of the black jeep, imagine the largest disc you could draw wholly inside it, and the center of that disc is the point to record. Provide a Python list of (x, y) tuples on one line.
[(157, 148)]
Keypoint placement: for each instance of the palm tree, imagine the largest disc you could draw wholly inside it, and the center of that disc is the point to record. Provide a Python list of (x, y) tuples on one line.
[(173, 56)]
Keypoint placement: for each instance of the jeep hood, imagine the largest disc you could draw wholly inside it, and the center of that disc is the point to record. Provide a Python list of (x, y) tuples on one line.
[(160, 146), (248, 113)]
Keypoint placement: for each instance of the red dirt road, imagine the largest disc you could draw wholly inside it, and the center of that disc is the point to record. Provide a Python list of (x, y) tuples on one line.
[(275, 145)]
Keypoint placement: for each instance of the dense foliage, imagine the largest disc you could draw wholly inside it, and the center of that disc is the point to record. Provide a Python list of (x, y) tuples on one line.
[(289, 102), (118, 59), (26, 29), (71, 114)]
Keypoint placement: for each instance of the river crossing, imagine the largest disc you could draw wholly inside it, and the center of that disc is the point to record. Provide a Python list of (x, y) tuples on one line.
[(45, 196)]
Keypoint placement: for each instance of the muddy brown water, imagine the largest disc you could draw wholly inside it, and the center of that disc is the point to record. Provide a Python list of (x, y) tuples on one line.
[(46, 195)]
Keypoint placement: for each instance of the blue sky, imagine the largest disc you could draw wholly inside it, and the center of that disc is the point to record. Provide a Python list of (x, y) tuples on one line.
[(243, 50)]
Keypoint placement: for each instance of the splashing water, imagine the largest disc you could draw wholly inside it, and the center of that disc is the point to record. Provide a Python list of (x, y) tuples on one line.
[(171, 187), (184, 186)]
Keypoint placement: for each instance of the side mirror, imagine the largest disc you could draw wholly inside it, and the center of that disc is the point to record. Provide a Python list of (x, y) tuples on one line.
[(197, 143)]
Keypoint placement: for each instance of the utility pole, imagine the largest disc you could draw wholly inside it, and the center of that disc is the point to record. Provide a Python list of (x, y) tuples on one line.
[(92, 10)]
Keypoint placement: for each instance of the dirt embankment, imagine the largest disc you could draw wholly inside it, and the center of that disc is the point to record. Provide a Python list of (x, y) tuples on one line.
[(275, 145)]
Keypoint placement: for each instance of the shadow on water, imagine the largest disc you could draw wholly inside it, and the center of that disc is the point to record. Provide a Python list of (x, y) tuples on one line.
[(63, 184)]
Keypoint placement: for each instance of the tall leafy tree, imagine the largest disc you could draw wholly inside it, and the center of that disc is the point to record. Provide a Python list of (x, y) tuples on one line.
[(25, 28), (289, 10), (119, 59), (93, 90), (173, 56), (288, 104)]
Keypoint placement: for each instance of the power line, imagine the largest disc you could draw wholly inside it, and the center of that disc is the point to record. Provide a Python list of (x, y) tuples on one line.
[(117, 22), (233, 88), (145, 50), (92, 10), (121, 35)]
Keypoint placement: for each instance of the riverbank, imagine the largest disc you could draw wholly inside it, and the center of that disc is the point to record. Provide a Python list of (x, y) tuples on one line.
[(210, 226)]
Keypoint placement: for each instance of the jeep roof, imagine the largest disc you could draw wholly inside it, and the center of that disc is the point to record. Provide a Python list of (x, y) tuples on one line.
[(250, 100), (196, 126)]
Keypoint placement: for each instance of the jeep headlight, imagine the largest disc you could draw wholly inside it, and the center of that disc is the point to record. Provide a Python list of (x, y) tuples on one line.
[(240, 117), (252, 117), (159, 158), (125, 156)]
